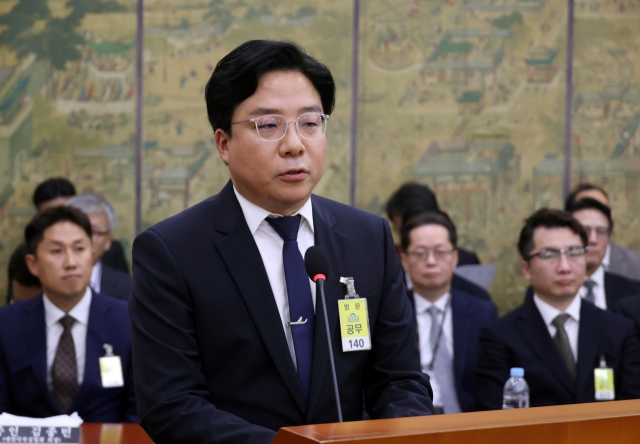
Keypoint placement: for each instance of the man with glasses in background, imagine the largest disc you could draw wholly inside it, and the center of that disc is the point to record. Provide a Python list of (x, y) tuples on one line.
[(602, 288), (556, 337), (448, 319), (229, 335)]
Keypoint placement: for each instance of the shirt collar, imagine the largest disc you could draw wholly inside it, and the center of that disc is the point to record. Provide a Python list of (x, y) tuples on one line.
[(597, 277), (422, 305), (607, 257), (549, 313), (96, 275), (80, 312), (254, 215)]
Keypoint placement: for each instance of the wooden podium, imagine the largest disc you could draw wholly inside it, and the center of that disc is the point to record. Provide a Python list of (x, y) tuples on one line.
[(605, 422)]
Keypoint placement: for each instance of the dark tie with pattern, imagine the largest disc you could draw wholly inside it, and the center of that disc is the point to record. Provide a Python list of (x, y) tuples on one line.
[(64, 370), (299, 295), (442, 363), (589, 296), (562, 341)]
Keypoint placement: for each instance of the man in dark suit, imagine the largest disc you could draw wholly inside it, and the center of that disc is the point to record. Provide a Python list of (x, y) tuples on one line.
[(51, 345), (601, 287), (104, 279), (449, 320), (228, 348), (617, 260), (556, 337)]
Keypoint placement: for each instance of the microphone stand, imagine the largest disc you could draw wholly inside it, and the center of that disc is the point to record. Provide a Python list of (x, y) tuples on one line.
[(320, 283)]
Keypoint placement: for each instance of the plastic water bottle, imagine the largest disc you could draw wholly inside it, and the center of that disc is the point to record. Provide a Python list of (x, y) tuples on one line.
[(516, 391)]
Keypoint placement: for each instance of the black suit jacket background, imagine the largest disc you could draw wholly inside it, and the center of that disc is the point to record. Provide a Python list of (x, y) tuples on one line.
[(521, 339)]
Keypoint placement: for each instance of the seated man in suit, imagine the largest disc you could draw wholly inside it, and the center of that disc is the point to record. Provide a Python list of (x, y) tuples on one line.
[(50, 345), (230, 339), (413, 198), (104, 279), (600, 287), (617, 260), (554, 336), (449, 320)]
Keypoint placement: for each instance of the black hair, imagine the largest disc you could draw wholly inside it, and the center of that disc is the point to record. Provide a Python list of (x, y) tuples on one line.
[(52, 189), (571, 198), (591, 204), (34, 232), (547, 218), (236, 77), (18, 269), (428, 218), (411, 199)]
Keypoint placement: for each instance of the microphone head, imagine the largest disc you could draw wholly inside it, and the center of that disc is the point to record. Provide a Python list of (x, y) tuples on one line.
[(316, 263)]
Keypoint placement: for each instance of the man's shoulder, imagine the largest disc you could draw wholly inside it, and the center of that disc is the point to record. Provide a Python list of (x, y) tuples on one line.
[(11, 311), (605, 318), (622, 282), (343, 213), (111, 305), (473, 302)]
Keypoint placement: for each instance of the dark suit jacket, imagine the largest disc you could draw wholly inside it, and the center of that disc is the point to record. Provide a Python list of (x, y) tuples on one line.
[(521, 339), (114, 257), (211, 358), (115, 283), (466, 257), (629, 307), (23, 363), (470, 315), (469, 287)]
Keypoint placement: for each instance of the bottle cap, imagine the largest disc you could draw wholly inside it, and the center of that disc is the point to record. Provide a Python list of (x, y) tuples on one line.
[(517, 372)]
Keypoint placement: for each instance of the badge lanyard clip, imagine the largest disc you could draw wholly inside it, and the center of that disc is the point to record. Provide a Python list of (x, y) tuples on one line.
[(351, 287)]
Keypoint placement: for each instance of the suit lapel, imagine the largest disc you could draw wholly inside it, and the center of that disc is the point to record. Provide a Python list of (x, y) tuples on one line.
[(96, 338), (334, 245), (461, 316), (242, 257), (35, 334), (536, 333), (590, 334)]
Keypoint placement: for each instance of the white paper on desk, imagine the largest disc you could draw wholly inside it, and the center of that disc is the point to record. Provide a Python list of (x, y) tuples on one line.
[(481, 275), (72, 420)]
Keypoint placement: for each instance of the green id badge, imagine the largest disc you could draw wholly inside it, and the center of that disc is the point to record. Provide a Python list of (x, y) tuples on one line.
[(603, 379)]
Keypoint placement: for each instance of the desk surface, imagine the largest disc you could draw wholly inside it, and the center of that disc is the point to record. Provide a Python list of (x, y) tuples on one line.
[(113, 434)]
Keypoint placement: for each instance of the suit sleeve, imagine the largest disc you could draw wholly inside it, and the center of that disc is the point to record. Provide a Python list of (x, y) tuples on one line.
[(174, 404), (629, 380), (130, 407), (5, 405), (394, 384), (492, 370)]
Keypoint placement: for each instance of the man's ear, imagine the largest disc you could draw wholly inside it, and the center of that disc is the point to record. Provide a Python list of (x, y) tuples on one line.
[(525, 269), (31, 261), (222, 142)]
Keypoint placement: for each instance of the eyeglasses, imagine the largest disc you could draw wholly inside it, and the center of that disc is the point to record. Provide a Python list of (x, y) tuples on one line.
[(99, 233), (273, 127), (423, 254), (600, 231), (552, 253)]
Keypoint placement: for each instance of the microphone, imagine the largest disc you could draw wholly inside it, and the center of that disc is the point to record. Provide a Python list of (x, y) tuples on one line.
[(317, 266)]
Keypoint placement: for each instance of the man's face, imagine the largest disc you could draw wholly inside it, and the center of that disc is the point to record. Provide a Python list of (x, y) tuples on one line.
[(594, 221), (560, 278), (63, 261), (100, 235), (275, 175), (430, 259)]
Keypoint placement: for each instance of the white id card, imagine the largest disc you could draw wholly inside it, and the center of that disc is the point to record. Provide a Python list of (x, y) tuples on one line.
[(111, 371)]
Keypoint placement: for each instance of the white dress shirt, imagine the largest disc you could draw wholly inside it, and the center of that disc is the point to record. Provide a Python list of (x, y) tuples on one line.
[(270, 246), (598, 289), (571, 325), (96, 277), (52, 316), (424, 335)]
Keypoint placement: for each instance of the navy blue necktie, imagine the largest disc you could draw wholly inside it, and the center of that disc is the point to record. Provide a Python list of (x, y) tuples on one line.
[(299, 295)]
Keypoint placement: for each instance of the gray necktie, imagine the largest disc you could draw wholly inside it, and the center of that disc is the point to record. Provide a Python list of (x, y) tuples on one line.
[(562, 341), (442, 364), (64, 370), (590, 296)]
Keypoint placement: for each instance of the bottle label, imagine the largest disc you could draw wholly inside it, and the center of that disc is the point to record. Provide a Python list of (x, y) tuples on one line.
[(603, 378)]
